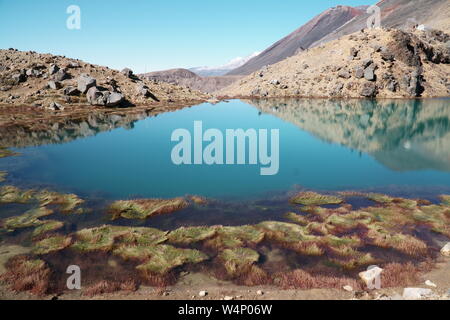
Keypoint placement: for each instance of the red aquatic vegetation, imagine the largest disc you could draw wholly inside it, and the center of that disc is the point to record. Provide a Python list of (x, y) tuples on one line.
[(403, 274), (105, 286), (255, 277), (25, 274), (300, 279)]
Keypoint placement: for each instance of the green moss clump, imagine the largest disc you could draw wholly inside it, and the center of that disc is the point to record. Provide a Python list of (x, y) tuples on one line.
[(296, 218), (52, 244), (380, 198), (46, 227), (191, 234), (237, 261), (11, 194), (26, 220), (285, 232), (234, 237), (98, 239), (445, 200), (164, 258), (315, 199), (142, 237), (6, 153), (145, 208), (67, 203)]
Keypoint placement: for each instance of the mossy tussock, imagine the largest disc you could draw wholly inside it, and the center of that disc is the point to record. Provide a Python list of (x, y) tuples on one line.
[(29, 219), (145, 208), (46, 227), (235, 237), (3, 175), (52, 244), (238, 261), (4, 152), (66, 203), (315, 199)]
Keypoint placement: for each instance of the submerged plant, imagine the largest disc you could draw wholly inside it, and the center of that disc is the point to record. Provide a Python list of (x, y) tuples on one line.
[(315, 199), (191, 235), (3, 175), (11, 194), (26, 220), (164, 258), (46, 227), (238, 261), (98, 239), (26, 274), (52, 244), (234, 237), (6, 153), (67, 203), (145, 208)]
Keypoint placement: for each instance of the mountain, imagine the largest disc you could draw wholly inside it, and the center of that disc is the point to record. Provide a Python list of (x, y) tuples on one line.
[(187, 78), (224, 69), (301, 38), (382, 63), (343, 20), (399, 14)]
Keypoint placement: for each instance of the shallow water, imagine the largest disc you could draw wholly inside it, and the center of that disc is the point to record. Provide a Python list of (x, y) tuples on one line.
[(324, 145)]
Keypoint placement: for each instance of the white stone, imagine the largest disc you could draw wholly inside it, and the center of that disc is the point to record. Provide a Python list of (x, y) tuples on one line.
[(203, 293), (259, 292), (228, 298), (371, 277), (416, 293), (430, 284), (348, 288), (445, 251)]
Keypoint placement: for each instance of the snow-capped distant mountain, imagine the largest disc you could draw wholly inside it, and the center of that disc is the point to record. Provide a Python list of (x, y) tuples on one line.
[(221, 70)]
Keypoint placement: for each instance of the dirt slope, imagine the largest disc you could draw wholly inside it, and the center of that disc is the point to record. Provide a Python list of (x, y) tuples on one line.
[(25, 76), (383, 63), (301, 38)]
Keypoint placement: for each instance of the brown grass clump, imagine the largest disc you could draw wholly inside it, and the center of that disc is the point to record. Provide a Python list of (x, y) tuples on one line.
[(157, 280), (145, 208), (25, 274), (104, 287), (299, 279), (254, 277), (398, 275)]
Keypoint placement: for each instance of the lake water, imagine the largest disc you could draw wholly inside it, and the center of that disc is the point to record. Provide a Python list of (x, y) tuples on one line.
[(324, 145)]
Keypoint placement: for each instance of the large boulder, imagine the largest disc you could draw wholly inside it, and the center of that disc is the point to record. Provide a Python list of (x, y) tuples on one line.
[(127, 72), (55, 85), (369, 73), (142, 90), (71, 91), (18, 78), (113, 99), (95, 97), (85, 82), (61, 75), (53, 69), (104, 98), (369, 90)]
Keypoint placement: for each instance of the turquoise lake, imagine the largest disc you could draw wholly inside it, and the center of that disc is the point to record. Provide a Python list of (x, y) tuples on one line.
[(324, 145)]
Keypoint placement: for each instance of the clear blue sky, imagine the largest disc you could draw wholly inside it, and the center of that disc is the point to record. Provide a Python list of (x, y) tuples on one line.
[(148, 35)]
